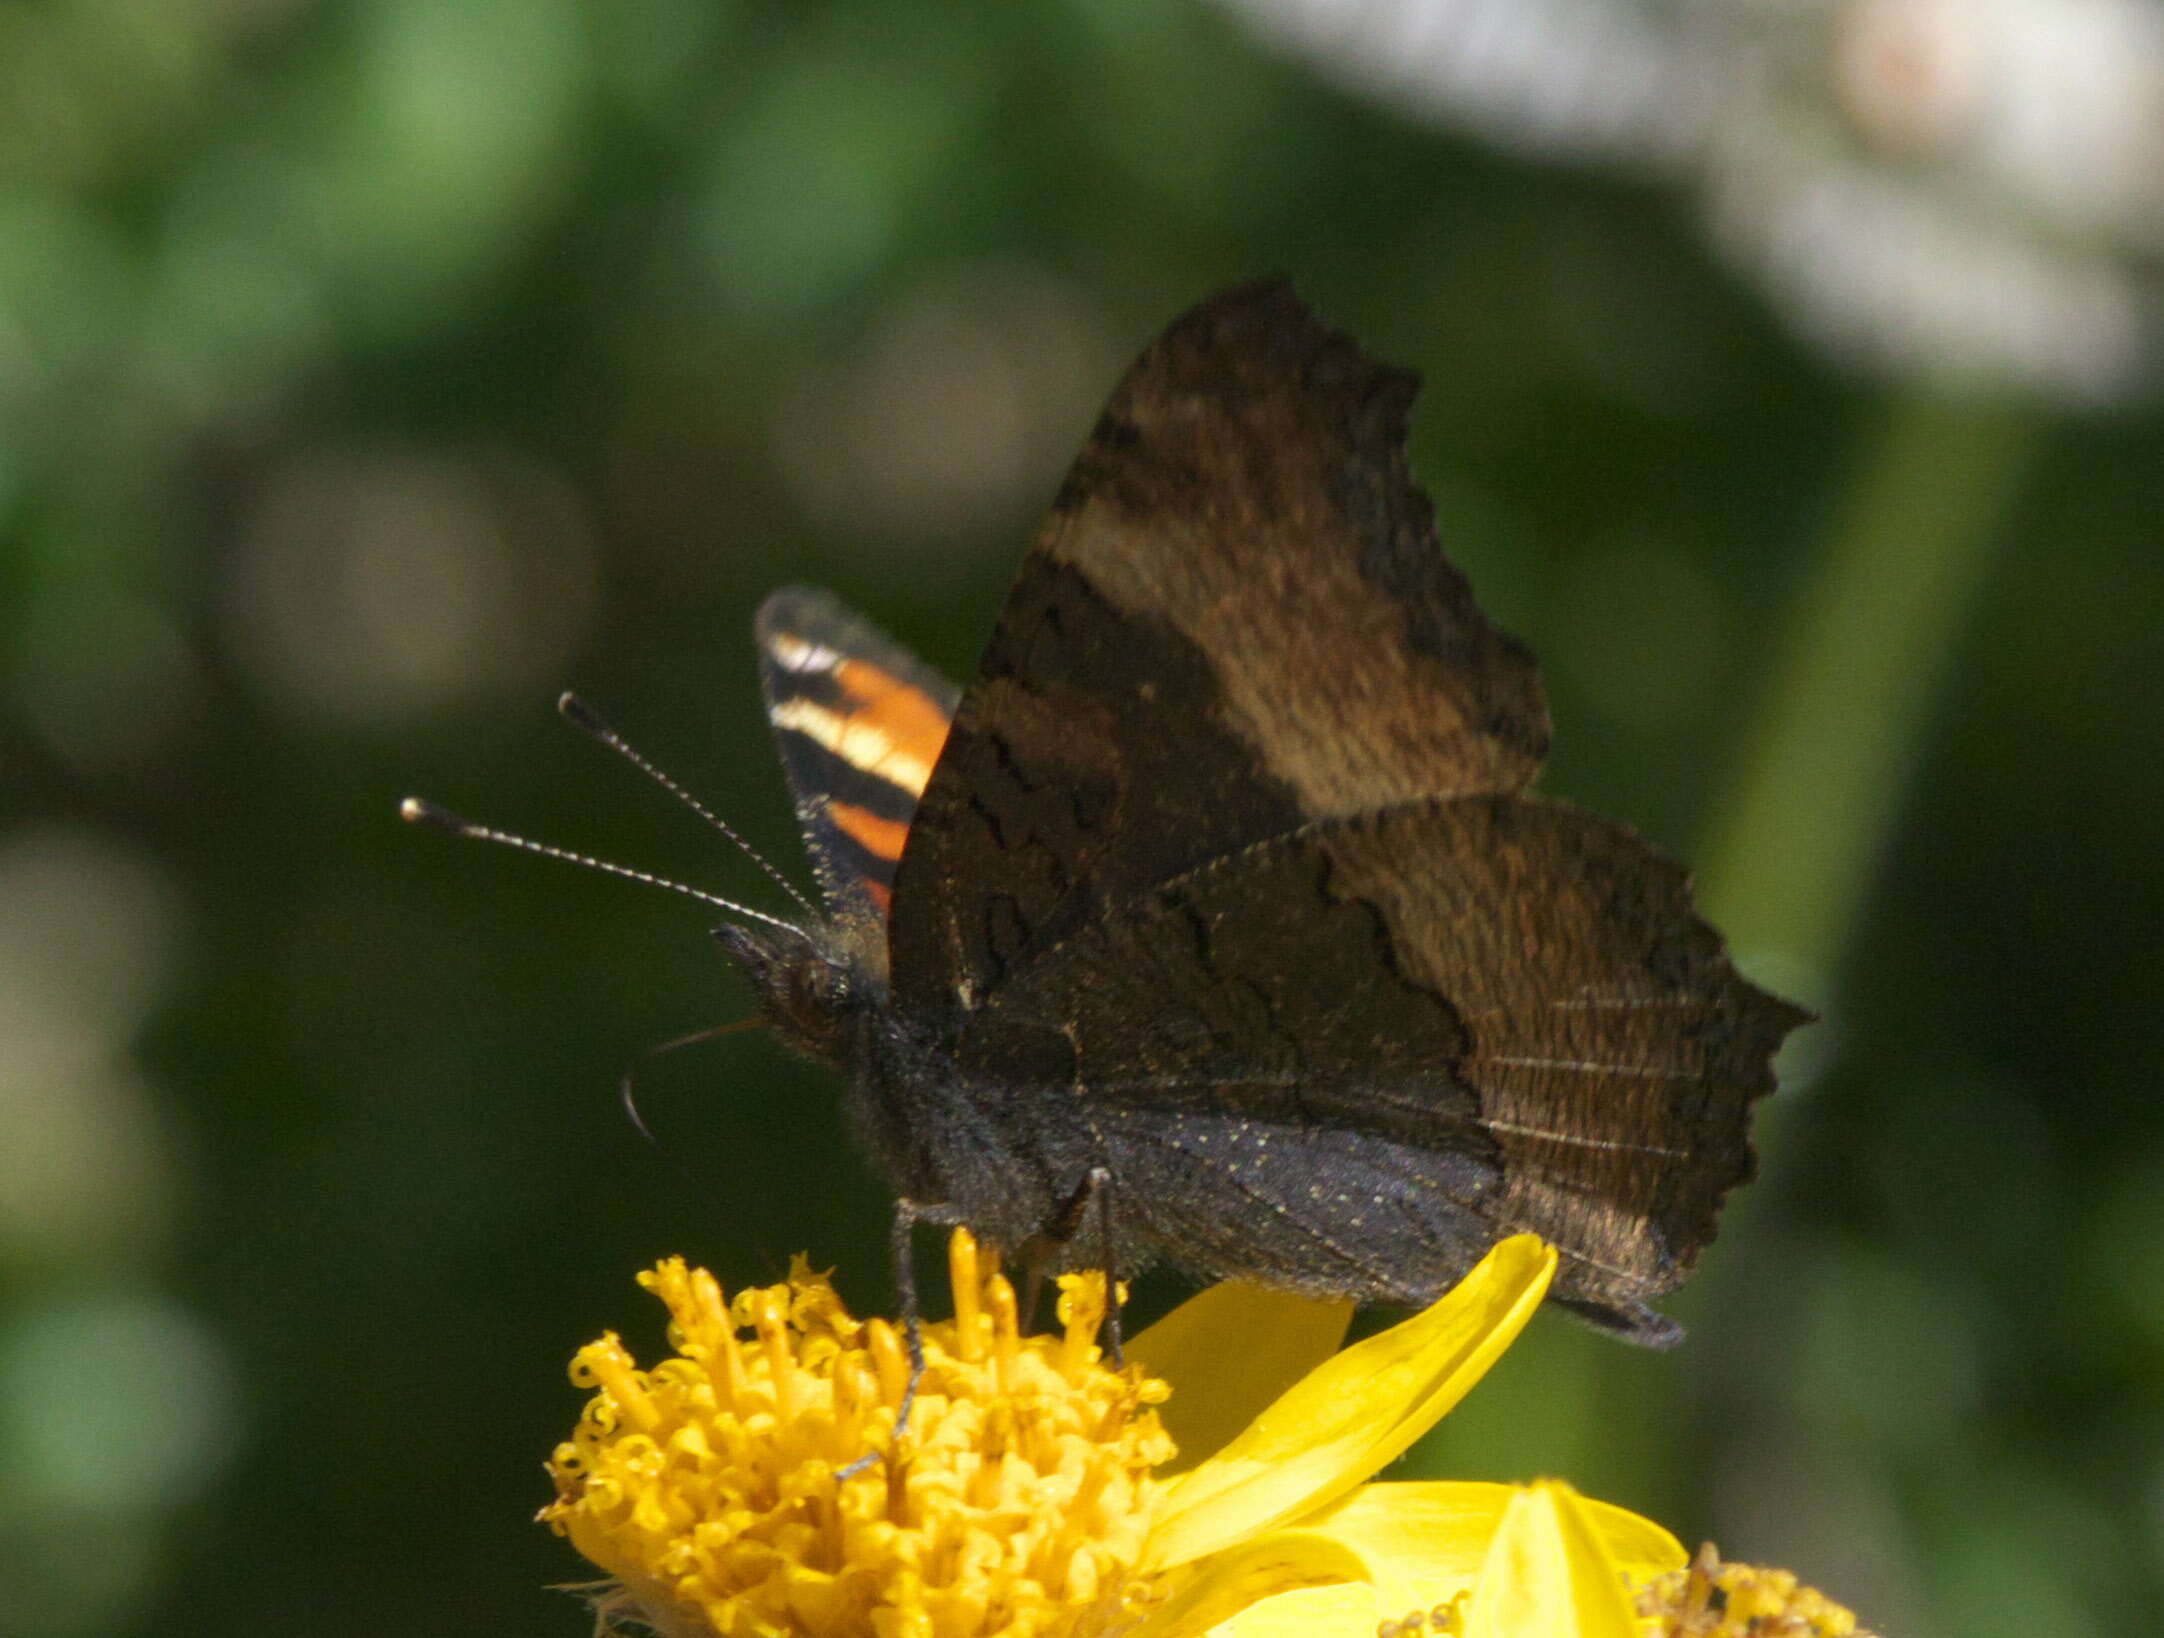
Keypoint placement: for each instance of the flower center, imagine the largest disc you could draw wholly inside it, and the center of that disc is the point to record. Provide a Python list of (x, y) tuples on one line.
[(708, 1486)]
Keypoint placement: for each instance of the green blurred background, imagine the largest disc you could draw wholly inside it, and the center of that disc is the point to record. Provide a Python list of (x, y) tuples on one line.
[(371, 370)]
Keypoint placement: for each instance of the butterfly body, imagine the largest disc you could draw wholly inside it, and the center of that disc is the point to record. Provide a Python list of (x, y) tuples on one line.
[(1220, 883)]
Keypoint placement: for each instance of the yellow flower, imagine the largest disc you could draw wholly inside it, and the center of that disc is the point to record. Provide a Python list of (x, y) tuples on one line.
[(710, 1486), (1452, 1560), (1035, 1493), (1716, 1600), (1533, 1561)]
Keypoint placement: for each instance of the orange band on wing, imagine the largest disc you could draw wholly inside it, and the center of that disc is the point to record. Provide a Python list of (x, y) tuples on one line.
[(910, 718), (881, 838), (880, 725), (858, 738)]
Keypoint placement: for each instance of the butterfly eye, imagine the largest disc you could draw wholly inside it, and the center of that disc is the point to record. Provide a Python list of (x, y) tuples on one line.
[(803, 992)]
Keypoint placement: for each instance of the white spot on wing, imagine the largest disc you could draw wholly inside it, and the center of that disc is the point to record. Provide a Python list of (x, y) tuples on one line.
[(793, 653)]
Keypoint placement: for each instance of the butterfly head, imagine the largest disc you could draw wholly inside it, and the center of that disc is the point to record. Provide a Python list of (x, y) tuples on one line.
[(807, 988)]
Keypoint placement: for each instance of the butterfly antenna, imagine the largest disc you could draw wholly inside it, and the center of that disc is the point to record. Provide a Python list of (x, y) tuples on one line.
[(417, 812), (588, 721)]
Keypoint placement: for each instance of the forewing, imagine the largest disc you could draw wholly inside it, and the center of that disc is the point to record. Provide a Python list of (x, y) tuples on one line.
[(1236, 621), (860, 722), (1393, 1037)]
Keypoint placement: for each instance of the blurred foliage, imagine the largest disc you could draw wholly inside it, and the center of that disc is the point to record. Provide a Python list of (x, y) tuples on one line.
[(369, 370)]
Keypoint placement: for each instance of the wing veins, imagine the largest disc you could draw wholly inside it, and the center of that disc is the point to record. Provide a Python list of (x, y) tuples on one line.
[(1597, 1003), (1574, 1066), (1139, 901), (1126, 1089), (1277, 1208), (1612, 1145), (1501, 1226)]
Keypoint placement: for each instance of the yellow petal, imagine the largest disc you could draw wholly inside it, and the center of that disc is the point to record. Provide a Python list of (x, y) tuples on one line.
[(1423, 1541), (1228, 1352), (1547, 1572), (1249, 1574), (1357, 1411), (1347, 1611)]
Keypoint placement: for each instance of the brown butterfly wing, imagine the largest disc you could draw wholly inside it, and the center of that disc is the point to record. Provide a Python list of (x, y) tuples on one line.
[(1382, 1042), (1224, 872), (1236, 621)]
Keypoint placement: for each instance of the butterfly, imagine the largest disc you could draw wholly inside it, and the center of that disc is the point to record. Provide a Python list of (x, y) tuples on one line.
[(1213, 923)]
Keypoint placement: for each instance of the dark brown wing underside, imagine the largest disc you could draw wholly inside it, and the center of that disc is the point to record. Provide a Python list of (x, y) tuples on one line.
[(1513, 995), (1236, 620), (1223, 879)]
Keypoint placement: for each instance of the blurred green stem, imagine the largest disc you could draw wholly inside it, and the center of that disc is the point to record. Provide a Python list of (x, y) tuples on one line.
[(1788, 862)]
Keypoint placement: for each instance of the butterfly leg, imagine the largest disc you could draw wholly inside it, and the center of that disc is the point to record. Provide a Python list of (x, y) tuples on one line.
[(1099, 1185), (1032, 1289), (1066, 1226), (901, 1246), (1037, 1251)]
